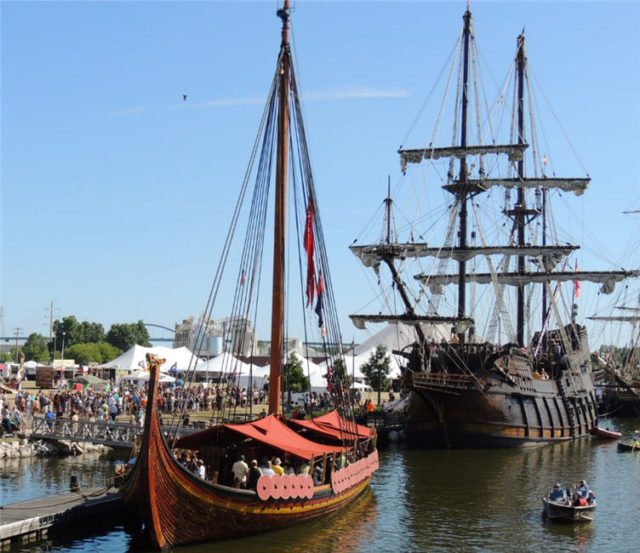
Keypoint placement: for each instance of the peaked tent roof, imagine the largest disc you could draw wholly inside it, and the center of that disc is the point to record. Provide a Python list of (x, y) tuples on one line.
[(143, 376), (399, 335), (134, 358), (225, 362), (269, 430)]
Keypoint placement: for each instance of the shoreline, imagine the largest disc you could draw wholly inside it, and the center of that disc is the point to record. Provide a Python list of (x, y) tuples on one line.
[(14, 448)]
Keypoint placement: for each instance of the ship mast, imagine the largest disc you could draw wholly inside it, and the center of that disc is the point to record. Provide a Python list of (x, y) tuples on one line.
[(277, 310), (462, 195), (521, 205)]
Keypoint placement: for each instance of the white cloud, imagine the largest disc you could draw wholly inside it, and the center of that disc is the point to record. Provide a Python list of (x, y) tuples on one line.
[(337, 94)]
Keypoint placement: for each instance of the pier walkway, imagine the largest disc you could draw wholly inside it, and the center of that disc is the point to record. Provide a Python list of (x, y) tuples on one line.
[(30, 520), (112, 434)]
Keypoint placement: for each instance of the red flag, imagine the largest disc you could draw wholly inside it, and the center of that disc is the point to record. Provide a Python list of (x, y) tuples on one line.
[(309, 247), (320, 305), (243, 277), (576, 285)]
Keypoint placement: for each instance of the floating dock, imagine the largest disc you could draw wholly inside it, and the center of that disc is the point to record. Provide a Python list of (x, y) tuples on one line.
[(28, 521)]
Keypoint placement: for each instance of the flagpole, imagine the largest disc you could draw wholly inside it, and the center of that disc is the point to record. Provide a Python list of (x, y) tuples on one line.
[(353, 363)]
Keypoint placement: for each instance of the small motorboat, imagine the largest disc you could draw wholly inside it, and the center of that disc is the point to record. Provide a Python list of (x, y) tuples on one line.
[(561, 505), (633, 445), (605, 433)]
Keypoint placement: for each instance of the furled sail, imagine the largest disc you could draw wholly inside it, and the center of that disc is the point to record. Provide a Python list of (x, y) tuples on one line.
[(372, 255), (614, 318), (575, 185), (360, 321), (608, 279), (514, 151)]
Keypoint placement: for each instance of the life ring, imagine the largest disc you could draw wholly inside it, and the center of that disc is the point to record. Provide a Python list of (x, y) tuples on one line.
[(264, 487)]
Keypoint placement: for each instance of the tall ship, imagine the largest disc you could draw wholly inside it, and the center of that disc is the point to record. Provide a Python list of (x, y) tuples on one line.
[(513, 368), (208, 484), (619, 367)]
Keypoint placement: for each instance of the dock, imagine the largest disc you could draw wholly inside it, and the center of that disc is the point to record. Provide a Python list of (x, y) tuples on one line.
[(28, 521)]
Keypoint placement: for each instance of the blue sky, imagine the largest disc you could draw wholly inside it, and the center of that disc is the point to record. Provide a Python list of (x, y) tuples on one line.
[(116, 194)]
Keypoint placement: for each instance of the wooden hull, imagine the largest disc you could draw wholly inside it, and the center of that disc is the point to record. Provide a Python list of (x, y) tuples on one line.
[(180, 508), (483, 398), (567, 513), (621, 404), (485, 420)]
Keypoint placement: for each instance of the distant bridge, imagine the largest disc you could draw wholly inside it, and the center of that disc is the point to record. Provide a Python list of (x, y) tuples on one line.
[(165, 339)]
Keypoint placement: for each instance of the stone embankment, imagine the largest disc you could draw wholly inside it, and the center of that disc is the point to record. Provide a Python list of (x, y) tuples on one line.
[(46, 448)]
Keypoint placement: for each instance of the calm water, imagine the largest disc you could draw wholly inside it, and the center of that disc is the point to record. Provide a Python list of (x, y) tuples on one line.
[(420, 501)]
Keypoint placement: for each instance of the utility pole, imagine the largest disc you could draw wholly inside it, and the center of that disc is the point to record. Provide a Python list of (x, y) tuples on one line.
[(51, 321), (18, 329)]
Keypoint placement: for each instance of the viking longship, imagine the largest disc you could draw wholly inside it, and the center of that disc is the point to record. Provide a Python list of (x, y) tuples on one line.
[(331, 458), (499, 358)]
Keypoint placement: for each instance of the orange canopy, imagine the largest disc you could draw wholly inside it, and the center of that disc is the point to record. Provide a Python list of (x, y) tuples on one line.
[(270, 431), (334, 426)]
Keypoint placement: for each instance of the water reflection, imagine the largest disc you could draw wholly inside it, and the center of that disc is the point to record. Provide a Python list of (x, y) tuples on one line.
[(420, 502), (27, 478), (349, 530)]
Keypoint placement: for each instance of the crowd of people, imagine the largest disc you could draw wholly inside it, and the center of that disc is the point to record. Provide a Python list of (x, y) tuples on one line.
[(127, 403)]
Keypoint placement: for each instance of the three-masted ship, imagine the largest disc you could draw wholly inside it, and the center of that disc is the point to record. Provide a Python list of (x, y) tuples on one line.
[(620, 379), (332, 458), (489, 382)]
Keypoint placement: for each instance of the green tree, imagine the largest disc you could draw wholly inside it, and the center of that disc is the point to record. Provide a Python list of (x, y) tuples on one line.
[(66, 331), (75, 332), (294, 378), (90, 333), (124, 335), (107, 352), (36, 348), (5, 357), (376, 370), (340, 380), (96, 352)]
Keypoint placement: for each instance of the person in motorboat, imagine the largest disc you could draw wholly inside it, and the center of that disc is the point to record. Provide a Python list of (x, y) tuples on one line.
[(558, 494), (582, 489), (591, 498)]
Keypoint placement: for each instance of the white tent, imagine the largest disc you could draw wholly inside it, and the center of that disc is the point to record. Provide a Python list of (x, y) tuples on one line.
[(394, 336), (135, 358), (141, 376), (224, 363), (316, 373), (228, 365)]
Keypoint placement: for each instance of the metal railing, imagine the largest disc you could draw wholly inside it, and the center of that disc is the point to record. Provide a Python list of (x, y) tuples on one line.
[(114, 434)]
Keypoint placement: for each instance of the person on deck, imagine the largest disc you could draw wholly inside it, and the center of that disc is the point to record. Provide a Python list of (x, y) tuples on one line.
[(254, 475), (240, 469), (202, 471), (276, 466), (267, 468)]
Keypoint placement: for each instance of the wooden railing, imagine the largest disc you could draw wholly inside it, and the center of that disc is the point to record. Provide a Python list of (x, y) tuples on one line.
[(444, 381)]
